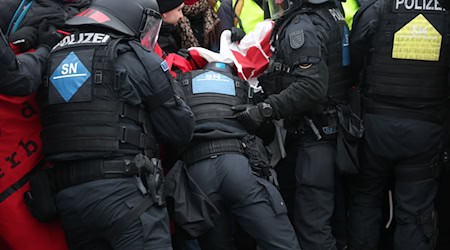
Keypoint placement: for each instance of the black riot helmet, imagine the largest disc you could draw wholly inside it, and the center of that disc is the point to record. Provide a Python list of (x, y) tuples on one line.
[(135, 18)]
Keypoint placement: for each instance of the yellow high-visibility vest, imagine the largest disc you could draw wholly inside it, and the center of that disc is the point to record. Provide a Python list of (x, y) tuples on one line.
[(249, 12), (350, 8)]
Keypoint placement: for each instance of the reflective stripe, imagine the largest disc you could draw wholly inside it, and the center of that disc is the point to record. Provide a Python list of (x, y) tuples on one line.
[(417, 40)]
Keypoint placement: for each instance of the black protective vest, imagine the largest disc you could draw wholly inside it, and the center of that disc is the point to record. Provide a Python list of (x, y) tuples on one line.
[(210, 93), (338, 60), (418, 83), (83, 115)]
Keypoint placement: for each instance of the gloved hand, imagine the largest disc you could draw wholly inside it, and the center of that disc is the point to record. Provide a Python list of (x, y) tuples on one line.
[(237, 34), (24, 38), (48, 36), (252, 116)]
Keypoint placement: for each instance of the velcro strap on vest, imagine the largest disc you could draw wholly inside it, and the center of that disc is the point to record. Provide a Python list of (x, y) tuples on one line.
[(73, 173), (133, 137), (108, 111), (220, 106), (338, 91), (208, 149), (381, 85), (134, 113), (87, 138)]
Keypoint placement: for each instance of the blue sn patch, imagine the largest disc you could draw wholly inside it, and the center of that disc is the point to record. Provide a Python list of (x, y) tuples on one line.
[(164, 66), (69, 76), (213, 82)]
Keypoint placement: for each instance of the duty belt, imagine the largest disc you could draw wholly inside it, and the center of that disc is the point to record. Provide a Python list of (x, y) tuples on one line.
[(69, 174), (208, 149)]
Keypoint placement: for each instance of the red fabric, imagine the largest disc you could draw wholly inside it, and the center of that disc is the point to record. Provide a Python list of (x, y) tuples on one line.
[(15, 48), (159, 51), (195, 62), (174, 60), (190, 2), (20, 144), (20, 231), (20, 151), (253, 61)]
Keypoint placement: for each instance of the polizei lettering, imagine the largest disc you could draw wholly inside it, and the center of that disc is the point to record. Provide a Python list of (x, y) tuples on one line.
[(420, 5), (337, 14), (82, 38)]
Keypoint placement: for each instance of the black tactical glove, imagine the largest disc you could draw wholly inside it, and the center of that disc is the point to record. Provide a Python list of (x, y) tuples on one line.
[(24, 38), (252, 116), (48, 36), (237, 34), (184, 53)]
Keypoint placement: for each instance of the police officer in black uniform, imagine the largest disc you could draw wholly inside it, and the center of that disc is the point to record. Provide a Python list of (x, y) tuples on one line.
[(106, 103), (228, 164), (307, 77), (402, 49)]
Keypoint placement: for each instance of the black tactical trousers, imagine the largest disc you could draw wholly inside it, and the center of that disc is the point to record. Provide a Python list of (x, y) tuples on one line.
[(443, 208), (408, 151), (89, 210), (242, 197), (315, 192)]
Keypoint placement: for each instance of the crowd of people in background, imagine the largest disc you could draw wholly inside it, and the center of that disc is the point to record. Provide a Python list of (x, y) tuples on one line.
[(341, 145)]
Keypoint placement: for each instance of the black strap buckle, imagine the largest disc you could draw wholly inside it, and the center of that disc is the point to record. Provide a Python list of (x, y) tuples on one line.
[(98, 77), (123, 136)]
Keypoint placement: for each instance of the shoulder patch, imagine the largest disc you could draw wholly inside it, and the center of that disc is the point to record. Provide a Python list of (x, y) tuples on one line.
[(164, 66), (296, 39)]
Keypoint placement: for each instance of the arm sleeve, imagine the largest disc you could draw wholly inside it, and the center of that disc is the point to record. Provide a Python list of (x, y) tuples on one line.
[(172, 120), (365, 25), (309, 73), (226, 15), (23, 74)]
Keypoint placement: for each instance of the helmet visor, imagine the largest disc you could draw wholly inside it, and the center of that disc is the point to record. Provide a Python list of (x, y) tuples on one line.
[(277, 8), (149, 34)]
